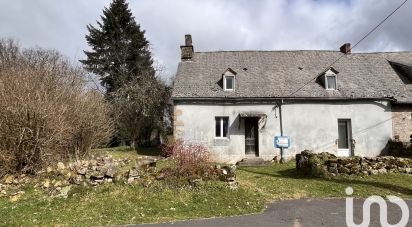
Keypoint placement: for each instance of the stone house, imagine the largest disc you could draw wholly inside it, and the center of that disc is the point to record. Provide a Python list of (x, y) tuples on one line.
[(262, 104)]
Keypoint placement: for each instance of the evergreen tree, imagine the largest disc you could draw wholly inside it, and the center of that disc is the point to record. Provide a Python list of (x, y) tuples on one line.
[(121, 56), (120, 52)]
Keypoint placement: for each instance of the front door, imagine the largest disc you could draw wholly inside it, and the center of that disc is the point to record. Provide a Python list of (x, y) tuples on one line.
[(251, 136), (345, 137)]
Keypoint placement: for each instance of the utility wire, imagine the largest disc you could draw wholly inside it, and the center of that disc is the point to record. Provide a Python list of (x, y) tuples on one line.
[(363, 38)]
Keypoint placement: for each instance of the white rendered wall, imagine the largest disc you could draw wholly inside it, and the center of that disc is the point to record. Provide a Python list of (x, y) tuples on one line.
[(312, 126)]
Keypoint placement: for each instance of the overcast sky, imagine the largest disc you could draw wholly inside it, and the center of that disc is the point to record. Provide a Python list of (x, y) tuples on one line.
[(215, 24)]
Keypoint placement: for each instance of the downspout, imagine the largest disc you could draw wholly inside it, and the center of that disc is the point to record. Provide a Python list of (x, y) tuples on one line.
[(282, 158)]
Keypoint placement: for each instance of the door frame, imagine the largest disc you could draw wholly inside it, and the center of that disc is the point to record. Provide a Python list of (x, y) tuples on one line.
[(255, 122), (345, 152)]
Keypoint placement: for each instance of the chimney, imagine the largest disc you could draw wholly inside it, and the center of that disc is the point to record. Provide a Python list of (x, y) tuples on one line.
[(187, 49), (345, 48)]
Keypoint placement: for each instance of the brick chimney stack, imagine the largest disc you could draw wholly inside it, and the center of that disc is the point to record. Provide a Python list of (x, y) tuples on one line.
[(345, 48), (187, 49)]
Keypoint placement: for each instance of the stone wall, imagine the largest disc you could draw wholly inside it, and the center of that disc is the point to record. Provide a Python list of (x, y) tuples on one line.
[(325, 164), (402, 122), (178, 124), (57, 180)]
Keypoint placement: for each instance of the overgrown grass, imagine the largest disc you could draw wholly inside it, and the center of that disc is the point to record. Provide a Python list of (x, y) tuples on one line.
[(122, 204)]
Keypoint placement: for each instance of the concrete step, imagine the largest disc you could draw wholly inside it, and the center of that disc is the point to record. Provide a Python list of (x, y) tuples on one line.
[(253, 162)]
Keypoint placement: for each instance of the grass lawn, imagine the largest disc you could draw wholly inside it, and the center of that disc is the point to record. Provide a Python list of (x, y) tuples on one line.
[(127, 152), (123, 204), (281, 182)]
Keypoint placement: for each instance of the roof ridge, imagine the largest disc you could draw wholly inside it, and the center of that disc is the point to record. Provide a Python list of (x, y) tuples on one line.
[(226, 51), (240, 51)]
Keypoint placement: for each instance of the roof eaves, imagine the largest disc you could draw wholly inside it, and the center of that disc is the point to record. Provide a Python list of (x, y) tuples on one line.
[(280, 98)]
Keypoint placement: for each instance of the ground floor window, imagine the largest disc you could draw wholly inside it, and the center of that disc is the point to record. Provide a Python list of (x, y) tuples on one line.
[(222, 127)]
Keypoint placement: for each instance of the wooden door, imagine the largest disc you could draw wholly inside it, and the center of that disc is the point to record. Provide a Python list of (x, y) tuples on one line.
[(251, 136)]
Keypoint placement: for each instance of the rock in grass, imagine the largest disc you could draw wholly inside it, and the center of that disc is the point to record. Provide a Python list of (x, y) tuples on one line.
[(58, 184), (111, 171), (97, 175), (46, 183), (160, 176), (145, 164), (60, 166), (374, 172), (8, 179), (117, 178), (134, 173), (130, 180), (15, 198), (82, 171), (92, 182), (64, 192), (382, 171), (76, 179)]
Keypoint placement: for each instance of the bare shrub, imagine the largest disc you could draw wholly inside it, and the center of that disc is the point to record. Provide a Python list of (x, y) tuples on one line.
[(192, 162), (45, 111)]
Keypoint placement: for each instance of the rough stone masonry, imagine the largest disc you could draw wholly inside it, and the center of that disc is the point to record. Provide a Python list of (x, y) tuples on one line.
[(326, 164)]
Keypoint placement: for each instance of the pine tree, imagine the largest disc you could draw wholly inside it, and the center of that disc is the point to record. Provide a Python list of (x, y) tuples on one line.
[(120, 51)]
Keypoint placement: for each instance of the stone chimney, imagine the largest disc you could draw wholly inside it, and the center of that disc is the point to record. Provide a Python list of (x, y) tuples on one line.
[(345, 48), (187, 49)]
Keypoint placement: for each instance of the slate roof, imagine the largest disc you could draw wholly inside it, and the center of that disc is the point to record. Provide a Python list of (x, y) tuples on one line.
[(277, 74)]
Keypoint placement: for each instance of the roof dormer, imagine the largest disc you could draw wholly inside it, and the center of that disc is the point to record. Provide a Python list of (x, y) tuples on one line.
[(404, 71), (229, 80), (329, 79)]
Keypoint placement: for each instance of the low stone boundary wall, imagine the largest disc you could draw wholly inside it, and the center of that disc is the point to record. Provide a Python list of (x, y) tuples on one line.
[(57, 180), (326, 164)]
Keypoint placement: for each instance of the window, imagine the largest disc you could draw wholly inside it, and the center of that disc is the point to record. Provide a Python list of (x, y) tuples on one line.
[(329, 79), (229, 83), (343, 141), (222, 127), (331, 82), (228, 77)]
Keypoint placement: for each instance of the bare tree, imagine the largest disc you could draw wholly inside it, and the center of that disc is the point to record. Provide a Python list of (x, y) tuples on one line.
[(140, 106), (46, 112)]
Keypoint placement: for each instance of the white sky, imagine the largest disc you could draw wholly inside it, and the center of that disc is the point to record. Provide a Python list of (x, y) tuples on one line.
[(215, 24)]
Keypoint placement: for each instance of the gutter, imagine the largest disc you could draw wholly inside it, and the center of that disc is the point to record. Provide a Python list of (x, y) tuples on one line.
[(282, 99), (404, 102)]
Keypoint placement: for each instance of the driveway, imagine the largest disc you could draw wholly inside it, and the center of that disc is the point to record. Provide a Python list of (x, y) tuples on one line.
[(296, 213)]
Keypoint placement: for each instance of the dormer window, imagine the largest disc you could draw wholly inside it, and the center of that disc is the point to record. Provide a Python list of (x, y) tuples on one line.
[(330, 82), (229, 80), (229, 83), (329, 79)]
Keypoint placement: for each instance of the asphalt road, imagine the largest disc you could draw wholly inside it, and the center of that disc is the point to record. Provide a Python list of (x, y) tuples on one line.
[(297, 213)]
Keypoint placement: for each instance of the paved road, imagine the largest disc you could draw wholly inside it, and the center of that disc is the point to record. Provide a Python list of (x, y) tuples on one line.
[(297, 213)]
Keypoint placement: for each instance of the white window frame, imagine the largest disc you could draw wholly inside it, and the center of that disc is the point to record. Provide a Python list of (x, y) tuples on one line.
[(224, 82), (221, 127), (327, 84)]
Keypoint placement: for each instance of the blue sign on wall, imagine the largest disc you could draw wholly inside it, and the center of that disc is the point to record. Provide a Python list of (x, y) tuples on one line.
[(282, 141)]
